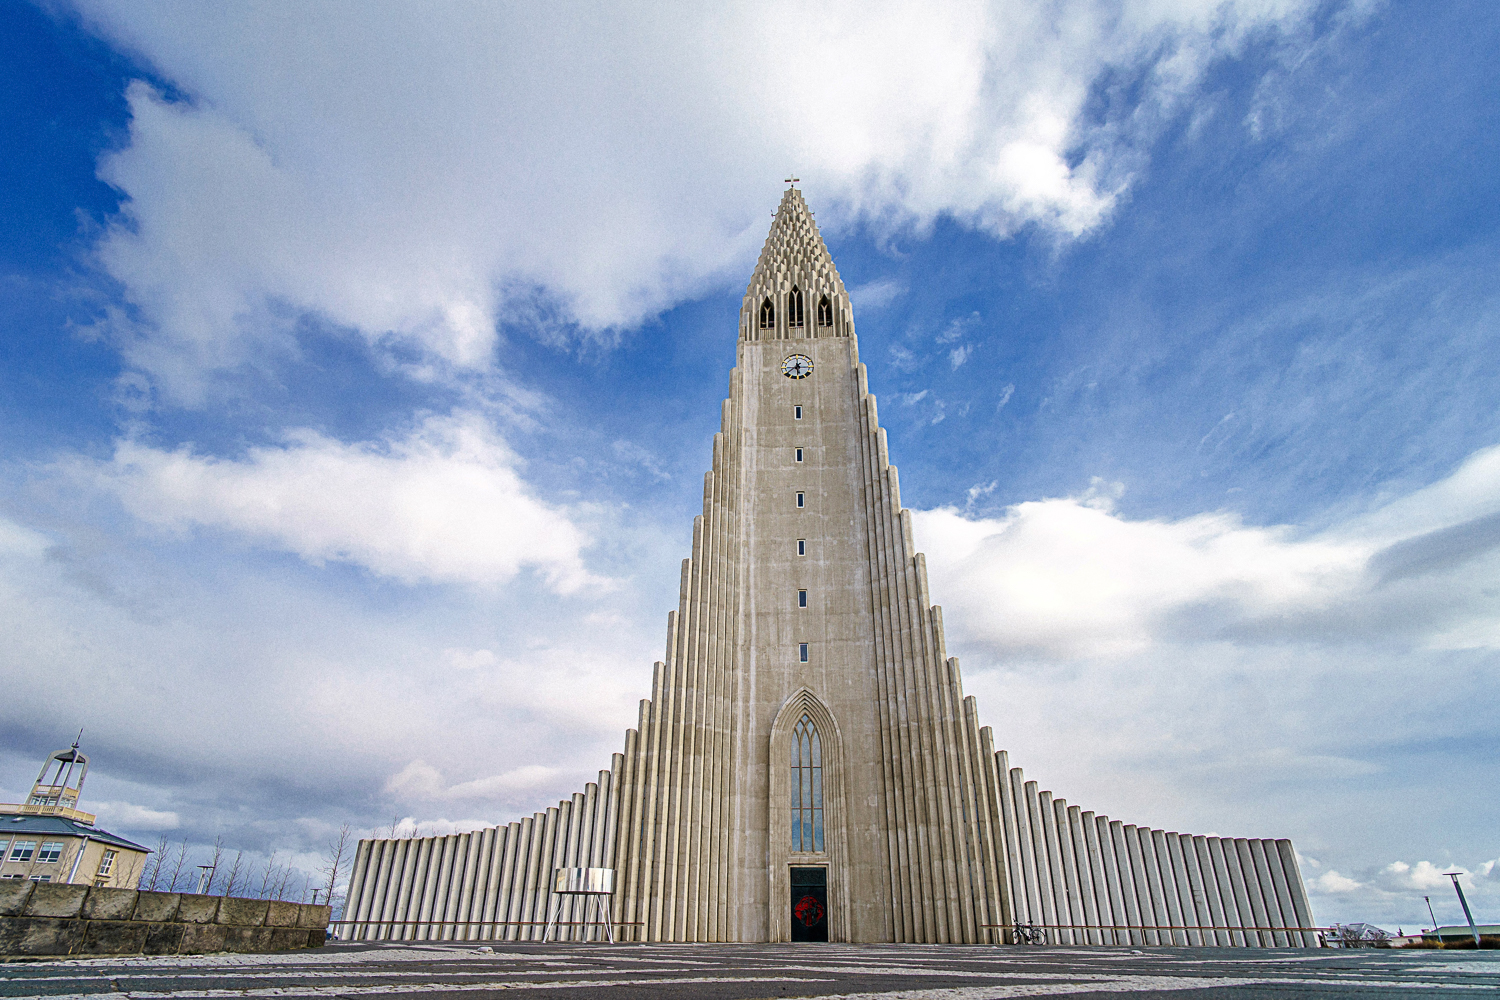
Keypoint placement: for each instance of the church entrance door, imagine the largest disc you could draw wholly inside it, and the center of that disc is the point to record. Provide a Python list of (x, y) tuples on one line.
[(809, 904)]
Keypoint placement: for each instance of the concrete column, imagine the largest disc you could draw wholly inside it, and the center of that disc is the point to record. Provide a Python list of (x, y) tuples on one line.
[(1085, 852), (1164, 878), (1114, 891), (1056, 888), (1026, 846), (1298, 892), (1210, 879), (1190, 889), (1230, 894), (1268, 888), (1068, 862), (1140, 877), (1046, 901), (1254, 903)]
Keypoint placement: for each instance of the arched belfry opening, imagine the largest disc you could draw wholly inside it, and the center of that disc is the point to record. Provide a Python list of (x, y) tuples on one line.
[(825, 312), (794, 308), (767, 315)]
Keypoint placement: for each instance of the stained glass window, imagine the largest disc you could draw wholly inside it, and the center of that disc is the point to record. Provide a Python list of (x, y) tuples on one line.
[(807, 787)]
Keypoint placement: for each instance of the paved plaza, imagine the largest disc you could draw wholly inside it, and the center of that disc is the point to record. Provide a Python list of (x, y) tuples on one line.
[(636, 972)]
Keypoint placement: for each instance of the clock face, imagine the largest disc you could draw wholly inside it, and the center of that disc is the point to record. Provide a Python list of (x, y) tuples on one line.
[(797, 366)]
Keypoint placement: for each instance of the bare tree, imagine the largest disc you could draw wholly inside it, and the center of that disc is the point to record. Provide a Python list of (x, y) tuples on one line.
[(287, 872), (233, 881), (267, 878), (151, 877), (178, 863), (336, 861), (395, 826), (213, 865)]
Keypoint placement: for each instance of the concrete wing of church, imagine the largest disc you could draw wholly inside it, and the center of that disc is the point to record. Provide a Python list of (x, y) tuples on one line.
[(808, 767)]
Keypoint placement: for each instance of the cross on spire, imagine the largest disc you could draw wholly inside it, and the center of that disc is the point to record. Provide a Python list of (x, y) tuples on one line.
[(793, 180)]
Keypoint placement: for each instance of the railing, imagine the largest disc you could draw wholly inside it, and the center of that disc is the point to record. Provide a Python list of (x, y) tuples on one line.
[(384, 926), (1025, 933)]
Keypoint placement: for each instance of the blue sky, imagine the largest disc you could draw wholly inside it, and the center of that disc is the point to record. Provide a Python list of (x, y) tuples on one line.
[(358, 375)]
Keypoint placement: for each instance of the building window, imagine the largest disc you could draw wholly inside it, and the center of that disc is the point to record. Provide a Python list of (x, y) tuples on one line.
[(825, 312), (51, 851), (107, 863), (797, 412), (807, 787), (22, 850), (41, 878), (767, 315), (800, 502), (801, 598), (794, 307), (799, 454), (802, 652), (802, 546), (15, 875)]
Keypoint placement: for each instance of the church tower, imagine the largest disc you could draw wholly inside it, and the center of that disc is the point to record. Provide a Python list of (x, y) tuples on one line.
[(807, 767)]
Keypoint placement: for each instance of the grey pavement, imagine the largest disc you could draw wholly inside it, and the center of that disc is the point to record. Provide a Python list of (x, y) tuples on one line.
[(851, 972)]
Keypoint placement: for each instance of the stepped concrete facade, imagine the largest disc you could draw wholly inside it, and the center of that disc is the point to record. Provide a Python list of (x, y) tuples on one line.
[(808, 767)]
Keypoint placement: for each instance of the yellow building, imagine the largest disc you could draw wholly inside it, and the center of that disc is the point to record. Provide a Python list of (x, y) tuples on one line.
[(48, 838)]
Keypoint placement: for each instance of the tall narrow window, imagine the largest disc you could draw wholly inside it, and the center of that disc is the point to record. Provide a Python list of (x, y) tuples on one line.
[(797, 412), (802, 546), (807, 787), (825, 312), (801, 598), (800, 500), (107, 863), (794, 307), (799, 454), (767, 315), (802, 652)]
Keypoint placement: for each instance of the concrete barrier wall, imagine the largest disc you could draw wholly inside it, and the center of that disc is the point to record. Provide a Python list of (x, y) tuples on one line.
[(41, 919)]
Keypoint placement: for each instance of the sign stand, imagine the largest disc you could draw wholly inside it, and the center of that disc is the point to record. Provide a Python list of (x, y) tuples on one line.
[(597, 885)]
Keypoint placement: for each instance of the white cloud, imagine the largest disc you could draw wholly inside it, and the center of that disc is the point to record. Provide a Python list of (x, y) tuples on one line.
[(416, 176), (444, 503), (959, 355), (1332, 882), (875, 294), (421, 781), (1070, 577), (128, 816), (470, 659), (1424, 875), (1005, 394)]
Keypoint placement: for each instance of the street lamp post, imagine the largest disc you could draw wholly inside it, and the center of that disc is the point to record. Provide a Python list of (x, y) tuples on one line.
[(205, 875), (1465, 904), (1434, 919)]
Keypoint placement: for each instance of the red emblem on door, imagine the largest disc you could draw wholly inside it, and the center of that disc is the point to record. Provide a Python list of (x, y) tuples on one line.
[(809, 911)]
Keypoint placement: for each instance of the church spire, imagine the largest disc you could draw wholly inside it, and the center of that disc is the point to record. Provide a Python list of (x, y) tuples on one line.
[(796, 291)]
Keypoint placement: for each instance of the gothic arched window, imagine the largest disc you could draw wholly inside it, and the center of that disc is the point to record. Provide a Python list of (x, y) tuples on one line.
[(807, 787), (767, 315), (825, 312), (794, 307)]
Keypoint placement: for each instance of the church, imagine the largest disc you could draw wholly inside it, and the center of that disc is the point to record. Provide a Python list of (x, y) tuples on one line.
[(808, 767)]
